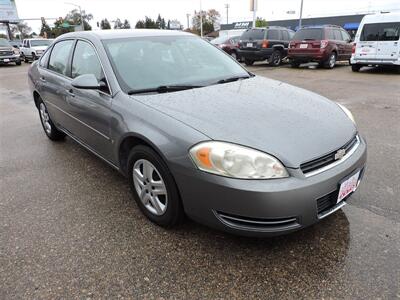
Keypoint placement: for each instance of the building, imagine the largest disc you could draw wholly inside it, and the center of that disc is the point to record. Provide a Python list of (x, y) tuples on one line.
[(234, 29)]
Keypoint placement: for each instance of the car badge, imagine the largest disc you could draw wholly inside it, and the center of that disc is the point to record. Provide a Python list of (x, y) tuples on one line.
[(339, 154)]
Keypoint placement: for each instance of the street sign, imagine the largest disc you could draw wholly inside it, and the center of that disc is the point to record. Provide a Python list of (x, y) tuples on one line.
[(8, 11)]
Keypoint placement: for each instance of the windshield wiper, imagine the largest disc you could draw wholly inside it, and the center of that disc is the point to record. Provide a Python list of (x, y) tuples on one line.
[(231, 79), (164, 89)]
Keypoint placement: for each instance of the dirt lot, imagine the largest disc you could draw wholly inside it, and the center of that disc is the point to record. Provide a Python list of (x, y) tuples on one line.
[(69, 228)]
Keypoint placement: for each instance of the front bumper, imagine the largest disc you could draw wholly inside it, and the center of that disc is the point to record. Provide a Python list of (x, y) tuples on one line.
[(9, 59), (264, 207)]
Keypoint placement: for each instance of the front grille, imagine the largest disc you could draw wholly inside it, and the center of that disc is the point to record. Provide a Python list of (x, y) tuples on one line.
[(259, 224), (6, 53), (327, 202), (328, 159)]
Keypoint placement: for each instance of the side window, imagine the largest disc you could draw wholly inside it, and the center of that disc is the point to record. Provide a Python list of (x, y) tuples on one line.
[(291, 34), (44, 59), (59, 56), (345, 36), (329, 34), (337, 35), (85, 61), (285, 35), (273, 34)]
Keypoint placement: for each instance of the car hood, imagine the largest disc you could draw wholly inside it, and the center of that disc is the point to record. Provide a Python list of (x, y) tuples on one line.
[(293, 124)]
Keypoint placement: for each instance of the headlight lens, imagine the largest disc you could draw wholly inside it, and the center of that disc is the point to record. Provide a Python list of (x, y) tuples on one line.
[(236, 161), (347, 112)]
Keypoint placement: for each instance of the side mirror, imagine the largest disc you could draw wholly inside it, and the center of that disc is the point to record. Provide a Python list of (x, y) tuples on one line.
[(86, 82)]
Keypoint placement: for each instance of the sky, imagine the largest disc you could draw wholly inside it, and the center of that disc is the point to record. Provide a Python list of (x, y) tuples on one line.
[(239, 10)]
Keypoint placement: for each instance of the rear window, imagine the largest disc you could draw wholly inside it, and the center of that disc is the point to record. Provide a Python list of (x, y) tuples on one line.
[(253, 34), (380, 32), (308, 34)]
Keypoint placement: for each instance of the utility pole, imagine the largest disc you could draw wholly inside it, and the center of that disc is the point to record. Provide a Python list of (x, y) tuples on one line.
[(201, 19), (227, 13), (253, 8), (301, 13), (187, 16), (80, 12)]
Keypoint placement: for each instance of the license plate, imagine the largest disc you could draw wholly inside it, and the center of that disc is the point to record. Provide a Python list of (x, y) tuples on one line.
[(6, 60), (348, 186), (249, 45), (303, 46)]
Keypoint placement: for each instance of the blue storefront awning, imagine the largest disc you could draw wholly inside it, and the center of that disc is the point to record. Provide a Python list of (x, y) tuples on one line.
[(351, 26)]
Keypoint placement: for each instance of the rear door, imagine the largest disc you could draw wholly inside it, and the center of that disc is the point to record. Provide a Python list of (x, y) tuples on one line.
[(367, 47), (388, 45), (340, 43)]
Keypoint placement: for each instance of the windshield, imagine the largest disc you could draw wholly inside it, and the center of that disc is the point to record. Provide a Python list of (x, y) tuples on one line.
[(37, 43), (308, 34), (253, 34), (150, 62), (4, 43)]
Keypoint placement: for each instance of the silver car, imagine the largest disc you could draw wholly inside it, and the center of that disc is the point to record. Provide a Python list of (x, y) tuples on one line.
[(198, 135)]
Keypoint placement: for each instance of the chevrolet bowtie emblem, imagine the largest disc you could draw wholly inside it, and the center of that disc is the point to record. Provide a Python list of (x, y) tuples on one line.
[(339, 154)]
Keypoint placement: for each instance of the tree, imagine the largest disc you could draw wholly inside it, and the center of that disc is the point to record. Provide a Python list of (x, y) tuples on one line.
[(104, 24), (126, 25), (118, 24), (261, 22), (210, 18), (45, 30), (74, 18), (22, 28), (140, 24), (150, 23)]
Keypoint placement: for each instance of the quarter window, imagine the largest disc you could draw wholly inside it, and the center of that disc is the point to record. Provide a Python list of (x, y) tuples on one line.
[(85, 61), (59, 57), (273, 34)]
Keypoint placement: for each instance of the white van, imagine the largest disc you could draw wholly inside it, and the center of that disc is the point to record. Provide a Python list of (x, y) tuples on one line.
[(377, 41)]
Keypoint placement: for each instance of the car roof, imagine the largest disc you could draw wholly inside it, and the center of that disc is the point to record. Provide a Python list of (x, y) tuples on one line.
[(382, 17), (124, 33)]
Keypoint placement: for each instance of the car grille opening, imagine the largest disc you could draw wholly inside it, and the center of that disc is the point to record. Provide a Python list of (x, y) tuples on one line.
[(6, 53), (328, 159), (258, 224), (327, 202)]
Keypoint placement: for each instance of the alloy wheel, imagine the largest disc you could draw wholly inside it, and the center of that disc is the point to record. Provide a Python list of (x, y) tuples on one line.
[(332, 60), (150, 187), (44, 116)]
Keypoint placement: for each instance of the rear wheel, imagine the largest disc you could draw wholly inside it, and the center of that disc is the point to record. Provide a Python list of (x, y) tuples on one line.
[(276, 58), (331, 61), (234, 55), (248, 62), (355, 68), (51, 131), (153, 187)]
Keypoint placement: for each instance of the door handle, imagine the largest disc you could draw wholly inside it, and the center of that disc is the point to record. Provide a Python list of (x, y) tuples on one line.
[(70, 92), (42, 79)]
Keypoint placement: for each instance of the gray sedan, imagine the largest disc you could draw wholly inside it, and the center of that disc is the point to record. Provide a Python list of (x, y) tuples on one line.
[(196, 134)]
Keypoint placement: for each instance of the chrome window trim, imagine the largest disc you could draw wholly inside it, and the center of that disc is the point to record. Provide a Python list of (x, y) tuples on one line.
[(336, 163)]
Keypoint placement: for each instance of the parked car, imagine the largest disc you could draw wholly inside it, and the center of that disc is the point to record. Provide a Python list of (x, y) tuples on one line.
[(325, 45), (187, 127), (8, 54), (377, 41), (271, 43), (228, 44), (32, 49)]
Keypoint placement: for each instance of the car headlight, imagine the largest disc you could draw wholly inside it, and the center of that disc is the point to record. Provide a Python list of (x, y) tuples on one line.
[(347, 112), (236, 161)]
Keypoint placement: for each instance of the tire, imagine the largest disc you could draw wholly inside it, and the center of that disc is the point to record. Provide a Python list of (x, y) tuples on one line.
[(248, 62), (355, 68), (48, 126), (34, 57), (25, 59), (275, 59), (294, 64), (165, 208), (18, 62), (234, 55), (331, 61)]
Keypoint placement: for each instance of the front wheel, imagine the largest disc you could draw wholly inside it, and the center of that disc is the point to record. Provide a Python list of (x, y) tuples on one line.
[(153, 187), (18, 62), (275, 58), (51, 131), (249, 62)]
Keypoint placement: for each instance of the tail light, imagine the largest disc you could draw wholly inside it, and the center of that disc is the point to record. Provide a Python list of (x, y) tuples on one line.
[(264, 44), (324, 43), (353, 49)]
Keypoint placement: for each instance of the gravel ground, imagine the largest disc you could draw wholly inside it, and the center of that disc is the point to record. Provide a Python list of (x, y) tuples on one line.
[(70, 229)]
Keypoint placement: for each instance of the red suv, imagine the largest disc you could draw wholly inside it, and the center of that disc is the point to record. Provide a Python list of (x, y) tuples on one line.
[(325, 44)]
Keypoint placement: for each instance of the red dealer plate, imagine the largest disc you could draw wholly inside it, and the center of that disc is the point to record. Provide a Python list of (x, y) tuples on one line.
[(348, 186)]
